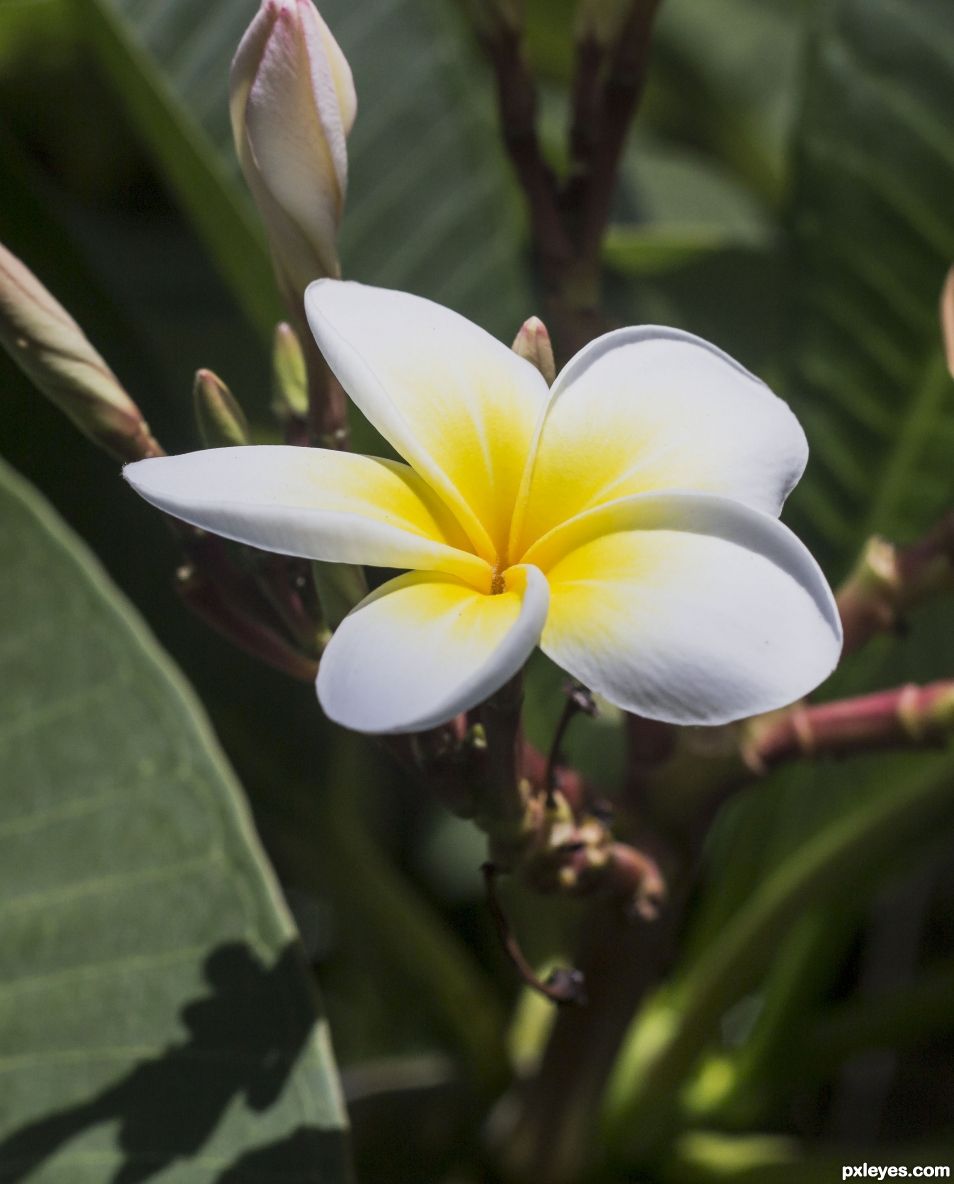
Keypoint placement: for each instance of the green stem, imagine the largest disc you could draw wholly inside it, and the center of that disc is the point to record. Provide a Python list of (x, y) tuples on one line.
[(502, 807), (665, 1042)]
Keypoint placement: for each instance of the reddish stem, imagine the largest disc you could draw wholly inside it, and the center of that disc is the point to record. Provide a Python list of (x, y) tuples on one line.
[(906, 716)]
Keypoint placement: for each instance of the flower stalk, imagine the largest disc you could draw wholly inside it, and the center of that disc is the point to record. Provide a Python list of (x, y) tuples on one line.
[(569, 217)]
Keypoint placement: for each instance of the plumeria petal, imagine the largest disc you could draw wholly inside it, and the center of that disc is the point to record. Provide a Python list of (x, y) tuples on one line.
[(457, 404), (688, 608), (424, 647), (650, 408), (311, 502)]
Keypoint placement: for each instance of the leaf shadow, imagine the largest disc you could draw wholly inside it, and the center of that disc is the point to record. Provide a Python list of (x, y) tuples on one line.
[(243, 1040)]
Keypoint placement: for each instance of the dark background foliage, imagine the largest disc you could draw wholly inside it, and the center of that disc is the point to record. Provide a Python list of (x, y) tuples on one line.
[(786, 192)]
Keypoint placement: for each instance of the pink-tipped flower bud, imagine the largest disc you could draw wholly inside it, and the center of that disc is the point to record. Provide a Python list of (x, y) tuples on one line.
[(533, 343), (292, 105)]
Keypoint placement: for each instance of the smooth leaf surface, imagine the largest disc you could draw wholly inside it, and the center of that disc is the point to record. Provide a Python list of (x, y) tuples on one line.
[(157, 1019), (199, 176), (430, 206)]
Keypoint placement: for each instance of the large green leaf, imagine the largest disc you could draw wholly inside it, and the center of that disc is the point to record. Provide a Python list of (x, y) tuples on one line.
[(157, 1018), (871, 238), (430, 206)]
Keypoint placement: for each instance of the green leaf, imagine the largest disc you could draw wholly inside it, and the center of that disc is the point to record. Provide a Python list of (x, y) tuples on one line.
[(654, 250), (737, 93), (156, 1013), (198, 175), (667, 1037), (871, 238), (431, 207)]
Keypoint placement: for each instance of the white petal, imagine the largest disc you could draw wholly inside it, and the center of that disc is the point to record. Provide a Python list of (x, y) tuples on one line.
[(457, 404), (329, 68), (424, 647), (292, 105), (311, 502), (648, 408), (689, 608)]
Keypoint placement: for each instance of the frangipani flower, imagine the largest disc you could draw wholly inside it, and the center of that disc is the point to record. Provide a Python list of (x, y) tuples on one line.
[(292, 104), (625, 521)]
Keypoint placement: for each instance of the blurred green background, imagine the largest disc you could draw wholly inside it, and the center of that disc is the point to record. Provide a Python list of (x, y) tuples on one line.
[(787, 192)]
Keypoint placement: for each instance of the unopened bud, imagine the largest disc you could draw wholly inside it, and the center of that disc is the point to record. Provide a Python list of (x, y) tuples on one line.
[(292, 104), (221, 421), (52, 350), (533, 343), (947, 319), (289, 375)]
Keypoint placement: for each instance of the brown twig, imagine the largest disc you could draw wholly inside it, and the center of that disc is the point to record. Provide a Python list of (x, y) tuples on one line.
[(577, 699), (585, 102), (564, 986), (621, 92), (573, 786), (517, 104)]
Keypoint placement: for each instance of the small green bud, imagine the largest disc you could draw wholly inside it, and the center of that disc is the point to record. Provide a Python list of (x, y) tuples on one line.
[(533, 343), (222, 422), (289, 375)]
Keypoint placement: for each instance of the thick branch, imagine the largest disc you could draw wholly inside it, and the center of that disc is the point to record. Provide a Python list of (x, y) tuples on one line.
[(622, 90), (590, 55), (908, 716), (888, 581), (516, 99)]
